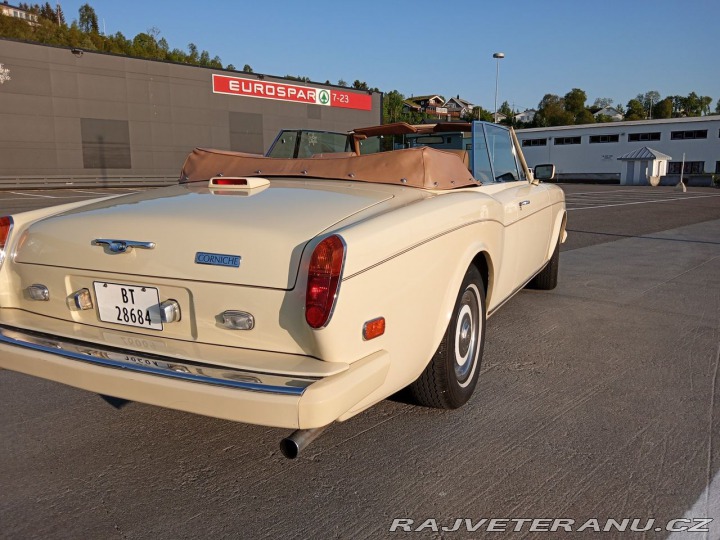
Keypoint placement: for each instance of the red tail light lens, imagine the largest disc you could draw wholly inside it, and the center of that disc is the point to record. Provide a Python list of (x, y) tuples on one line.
[(324, 275), (6, 223)]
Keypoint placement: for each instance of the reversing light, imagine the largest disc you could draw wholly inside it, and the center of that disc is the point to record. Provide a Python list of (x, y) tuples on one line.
[(324, 273), (82, 299), (237, 320), (38, 292)]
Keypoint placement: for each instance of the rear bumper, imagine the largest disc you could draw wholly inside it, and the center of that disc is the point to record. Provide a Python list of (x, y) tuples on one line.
[(297, 402)]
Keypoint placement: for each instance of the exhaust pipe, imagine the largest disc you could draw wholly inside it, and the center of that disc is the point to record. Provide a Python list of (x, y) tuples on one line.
[(294, 444)]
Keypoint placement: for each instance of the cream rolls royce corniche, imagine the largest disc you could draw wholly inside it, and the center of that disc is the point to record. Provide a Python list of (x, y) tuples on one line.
[(291, 291)]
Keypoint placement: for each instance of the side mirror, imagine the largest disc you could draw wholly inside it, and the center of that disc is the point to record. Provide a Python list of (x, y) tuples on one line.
[(544, 172)]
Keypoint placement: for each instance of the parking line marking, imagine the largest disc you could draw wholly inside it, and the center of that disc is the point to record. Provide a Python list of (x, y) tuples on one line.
[(642, 202), (32, 195)]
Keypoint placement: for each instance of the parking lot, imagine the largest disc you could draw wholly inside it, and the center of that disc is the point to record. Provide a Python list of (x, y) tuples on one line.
[(597, 400)]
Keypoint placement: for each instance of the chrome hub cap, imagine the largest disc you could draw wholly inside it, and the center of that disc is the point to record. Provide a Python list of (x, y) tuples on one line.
[(467, 335)]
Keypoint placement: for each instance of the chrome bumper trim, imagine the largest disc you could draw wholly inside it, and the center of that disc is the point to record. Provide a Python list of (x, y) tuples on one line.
[(155, 364)]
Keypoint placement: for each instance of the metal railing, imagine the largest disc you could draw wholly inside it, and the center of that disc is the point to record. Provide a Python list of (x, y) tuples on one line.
[(84, 181)]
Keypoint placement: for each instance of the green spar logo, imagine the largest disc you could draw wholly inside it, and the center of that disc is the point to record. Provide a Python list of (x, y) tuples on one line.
[(324, 97)]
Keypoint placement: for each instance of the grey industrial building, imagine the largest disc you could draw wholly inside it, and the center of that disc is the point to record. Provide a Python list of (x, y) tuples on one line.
[(68, 112)]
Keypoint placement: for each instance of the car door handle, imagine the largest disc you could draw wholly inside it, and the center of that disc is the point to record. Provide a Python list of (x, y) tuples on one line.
[(524, 203)]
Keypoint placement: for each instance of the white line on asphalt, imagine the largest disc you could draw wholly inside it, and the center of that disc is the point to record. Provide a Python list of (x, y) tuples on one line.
[(642, 202), (32, 195), (92, 192)]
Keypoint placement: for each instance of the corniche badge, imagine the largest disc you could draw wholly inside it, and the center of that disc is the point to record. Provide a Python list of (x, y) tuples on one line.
[(218, 259)]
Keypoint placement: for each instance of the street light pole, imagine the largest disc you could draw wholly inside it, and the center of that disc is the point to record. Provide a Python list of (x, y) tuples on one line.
[(498, 56)]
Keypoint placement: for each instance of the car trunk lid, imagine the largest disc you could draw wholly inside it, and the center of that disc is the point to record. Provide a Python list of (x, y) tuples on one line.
[(245, 237)]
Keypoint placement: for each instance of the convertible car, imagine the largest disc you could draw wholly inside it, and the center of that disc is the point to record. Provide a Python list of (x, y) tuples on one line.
[(289, 291)]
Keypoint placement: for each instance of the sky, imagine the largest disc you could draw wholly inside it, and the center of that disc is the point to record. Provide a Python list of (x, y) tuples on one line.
[(610, 49)]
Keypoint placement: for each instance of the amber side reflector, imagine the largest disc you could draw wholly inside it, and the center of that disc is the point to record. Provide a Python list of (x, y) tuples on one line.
[(374, 328)]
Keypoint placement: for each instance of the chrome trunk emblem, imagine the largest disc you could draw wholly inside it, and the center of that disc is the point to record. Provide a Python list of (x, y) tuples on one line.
[(122, 246)]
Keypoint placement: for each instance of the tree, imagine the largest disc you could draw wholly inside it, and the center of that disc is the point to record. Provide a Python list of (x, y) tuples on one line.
[(717, 107), (601, 103), (247, 68), (705, 102), (648, 100), (360, 85), (88, 21), (552, 112), (575, 101), (584, 117), (635, 110), (393, 107), (663, 108), (342, 82), (478, 113)]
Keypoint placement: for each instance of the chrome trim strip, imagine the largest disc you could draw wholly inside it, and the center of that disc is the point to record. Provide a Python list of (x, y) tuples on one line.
[(155, 364)]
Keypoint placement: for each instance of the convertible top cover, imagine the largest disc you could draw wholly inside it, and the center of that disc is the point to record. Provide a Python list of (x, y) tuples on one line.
[(423, 167)]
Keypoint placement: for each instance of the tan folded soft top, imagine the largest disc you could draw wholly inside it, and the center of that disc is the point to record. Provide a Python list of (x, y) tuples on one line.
[(422, 167)]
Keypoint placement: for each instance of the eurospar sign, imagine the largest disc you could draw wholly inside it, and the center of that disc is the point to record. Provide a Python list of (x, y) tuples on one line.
[(236, 86)]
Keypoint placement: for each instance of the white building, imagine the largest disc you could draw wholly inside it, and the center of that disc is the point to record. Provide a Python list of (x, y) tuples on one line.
[(591, 151), (612, 112), (17, 12), (527, 116)]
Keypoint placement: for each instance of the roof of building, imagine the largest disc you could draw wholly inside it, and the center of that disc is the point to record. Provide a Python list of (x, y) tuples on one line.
[(644, 153), (460, 101)]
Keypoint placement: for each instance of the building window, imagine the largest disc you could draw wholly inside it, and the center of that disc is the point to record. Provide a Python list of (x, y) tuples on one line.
[(691, 167), (651, 136), (683, 135), (717, 167), (534, 142), (567, 140), (604, 138)]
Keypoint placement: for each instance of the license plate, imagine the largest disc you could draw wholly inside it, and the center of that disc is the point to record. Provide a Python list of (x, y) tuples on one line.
[(129, 305)]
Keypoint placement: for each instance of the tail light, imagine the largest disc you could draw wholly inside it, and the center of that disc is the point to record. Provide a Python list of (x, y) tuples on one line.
[(6, 225), (326, 265)]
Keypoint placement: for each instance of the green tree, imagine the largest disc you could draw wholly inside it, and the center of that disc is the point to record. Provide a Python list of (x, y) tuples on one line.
[(87, 20), (648, 100), (635, 110), (342, 82), (663, 108), (575, 101), (552, 112), (717, 107), (247, 68), (478, 113), (393, 107), (584, 117), (360, 85)]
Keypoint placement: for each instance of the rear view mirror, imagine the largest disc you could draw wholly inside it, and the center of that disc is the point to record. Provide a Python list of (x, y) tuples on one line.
[(544, 172)]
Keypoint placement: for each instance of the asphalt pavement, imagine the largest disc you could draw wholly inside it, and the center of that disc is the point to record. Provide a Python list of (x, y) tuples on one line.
[(597, 400)]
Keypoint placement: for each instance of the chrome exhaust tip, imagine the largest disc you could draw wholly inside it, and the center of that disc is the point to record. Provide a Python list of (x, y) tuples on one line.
[(294, 444)]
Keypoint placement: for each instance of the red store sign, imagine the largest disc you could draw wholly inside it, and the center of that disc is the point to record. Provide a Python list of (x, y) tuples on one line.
[(236, 86)]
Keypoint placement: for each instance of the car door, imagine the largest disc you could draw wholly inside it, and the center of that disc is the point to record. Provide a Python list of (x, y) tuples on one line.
[(526, 210)]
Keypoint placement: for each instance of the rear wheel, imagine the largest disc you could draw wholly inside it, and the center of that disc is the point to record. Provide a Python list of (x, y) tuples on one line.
[(451, 376), (547, 279)]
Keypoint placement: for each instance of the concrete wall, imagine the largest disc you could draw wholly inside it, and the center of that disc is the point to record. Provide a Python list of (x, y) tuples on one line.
[(96, 114)]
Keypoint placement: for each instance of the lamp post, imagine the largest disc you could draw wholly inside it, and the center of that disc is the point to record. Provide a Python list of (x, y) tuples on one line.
[(498, 56)]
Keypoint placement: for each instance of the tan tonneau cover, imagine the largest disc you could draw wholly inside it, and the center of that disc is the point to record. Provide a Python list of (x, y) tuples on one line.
[(417, 167)]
